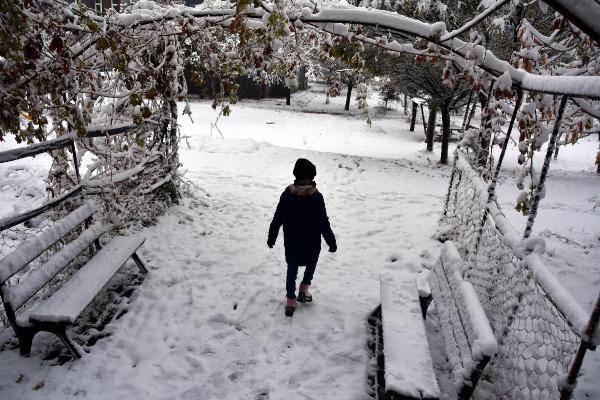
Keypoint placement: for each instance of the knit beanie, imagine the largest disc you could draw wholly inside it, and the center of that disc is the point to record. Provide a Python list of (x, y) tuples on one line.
[(304, 169)]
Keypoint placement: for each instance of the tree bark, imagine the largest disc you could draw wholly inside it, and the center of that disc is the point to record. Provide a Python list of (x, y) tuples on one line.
[(413, 117), (288, 94), (423, 117), (429, 136), (445, 133), (405, 103), (348, 96), (598, 156)]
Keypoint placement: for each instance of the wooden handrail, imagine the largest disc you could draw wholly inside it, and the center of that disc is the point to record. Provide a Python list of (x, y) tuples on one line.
[(9, 222)]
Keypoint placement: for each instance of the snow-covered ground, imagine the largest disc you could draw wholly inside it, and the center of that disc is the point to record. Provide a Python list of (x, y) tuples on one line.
[(208, 322)]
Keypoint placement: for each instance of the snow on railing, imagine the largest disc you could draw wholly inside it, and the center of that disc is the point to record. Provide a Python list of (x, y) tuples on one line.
[(9, 222), (59, 143), (526, 305), (121, 176), (37, 148), (62, 142), (13, 229)]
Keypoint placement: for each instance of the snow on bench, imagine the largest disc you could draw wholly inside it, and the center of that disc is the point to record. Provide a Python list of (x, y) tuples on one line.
[(55, 313), (406, 363), (408, 367), (18, 295), (468, 337), (65, 305), (28, 251)]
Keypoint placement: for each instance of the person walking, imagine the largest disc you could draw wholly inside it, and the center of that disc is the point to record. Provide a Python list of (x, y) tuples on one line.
[(301, 211)]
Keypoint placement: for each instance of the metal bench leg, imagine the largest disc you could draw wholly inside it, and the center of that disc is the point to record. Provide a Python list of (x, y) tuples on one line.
[(25, 341), (141, 263), (425, 301), (69, 344)]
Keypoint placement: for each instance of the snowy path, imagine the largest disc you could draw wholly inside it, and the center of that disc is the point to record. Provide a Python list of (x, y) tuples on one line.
[(209, 324), (254, 349)]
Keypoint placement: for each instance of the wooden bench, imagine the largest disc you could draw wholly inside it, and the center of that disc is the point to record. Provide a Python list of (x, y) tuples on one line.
[(468, 338), (59, 311), (406, 359)]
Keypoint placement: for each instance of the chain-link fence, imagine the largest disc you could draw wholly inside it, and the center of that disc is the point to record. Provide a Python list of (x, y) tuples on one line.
[(537, 343)]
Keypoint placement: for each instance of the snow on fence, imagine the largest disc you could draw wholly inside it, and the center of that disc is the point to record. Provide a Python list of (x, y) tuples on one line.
[(538, 325)]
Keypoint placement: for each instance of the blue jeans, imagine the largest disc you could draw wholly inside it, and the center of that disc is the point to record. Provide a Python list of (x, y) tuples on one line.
[(292, 273)]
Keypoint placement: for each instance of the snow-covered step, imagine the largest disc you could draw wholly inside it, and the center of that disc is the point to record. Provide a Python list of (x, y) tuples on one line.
[(408, 367), (65, 305)]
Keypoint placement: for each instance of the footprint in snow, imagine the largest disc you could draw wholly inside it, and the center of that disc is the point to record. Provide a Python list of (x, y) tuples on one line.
[(261, 395), (393, 257)]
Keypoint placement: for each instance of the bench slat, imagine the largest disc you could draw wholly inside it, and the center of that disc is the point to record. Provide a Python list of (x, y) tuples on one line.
[(18, 295), (476, 324), (65, 305), (470, 342), (408, 366), (28, 251), (453, 332)]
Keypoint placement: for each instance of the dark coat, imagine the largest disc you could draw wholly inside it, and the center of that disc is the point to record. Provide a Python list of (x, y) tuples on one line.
[(301, 211)]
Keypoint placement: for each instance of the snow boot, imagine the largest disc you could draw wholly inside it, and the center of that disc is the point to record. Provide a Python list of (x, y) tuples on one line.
[(290, 307), (303, 295)]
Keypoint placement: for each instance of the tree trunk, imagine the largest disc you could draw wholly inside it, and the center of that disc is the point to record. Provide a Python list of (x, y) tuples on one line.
[(445, 133), (348, 96), (429, 137), (598, 156), (288, 94), (413, 117), (423, 117), (405, 103)]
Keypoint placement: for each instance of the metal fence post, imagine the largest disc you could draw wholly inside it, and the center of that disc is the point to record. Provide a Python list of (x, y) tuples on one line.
[(492, 186), (566, 391), (540, 187)]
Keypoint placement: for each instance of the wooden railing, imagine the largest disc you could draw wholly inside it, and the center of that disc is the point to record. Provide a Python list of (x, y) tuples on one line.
[(66, 141)]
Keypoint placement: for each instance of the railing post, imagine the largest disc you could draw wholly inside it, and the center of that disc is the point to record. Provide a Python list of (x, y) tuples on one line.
[(75, 161), (566, 391), (483, 154), (483, 123), (452, 175), (540, 187)]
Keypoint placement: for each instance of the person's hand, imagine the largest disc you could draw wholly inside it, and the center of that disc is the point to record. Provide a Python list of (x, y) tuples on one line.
[(333, 248), (270, 244)]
